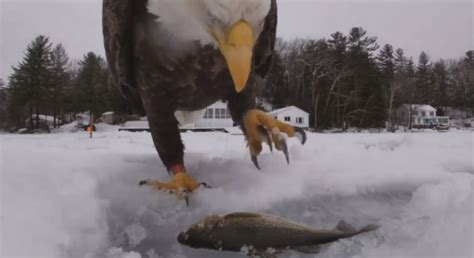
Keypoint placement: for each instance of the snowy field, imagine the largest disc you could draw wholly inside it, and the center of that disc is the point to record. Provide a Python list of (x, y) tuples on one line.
[(64, 195)]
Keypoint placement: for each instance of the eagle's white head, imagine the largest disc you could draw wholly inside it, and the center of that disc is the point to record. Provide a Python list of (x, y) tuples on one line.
[(232, 25)]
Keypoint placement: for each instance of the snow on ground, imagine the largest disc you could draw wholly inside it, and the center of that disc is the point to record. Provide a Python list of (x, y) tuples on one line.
[(65, 195)]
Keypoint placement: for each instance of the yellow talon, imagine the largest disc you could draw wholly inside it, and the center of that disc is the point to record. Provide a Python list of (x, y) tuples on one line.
[(260, 127), (181, 184)]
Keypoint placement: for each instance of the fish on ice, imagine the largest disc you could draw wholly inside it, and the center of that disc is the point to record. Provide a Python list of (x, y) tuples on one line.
[(256, 234)]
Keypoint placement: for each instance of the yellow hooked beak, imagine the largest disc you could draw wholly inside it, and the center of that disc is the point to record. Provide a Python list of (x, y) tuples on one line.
[(237, 48)]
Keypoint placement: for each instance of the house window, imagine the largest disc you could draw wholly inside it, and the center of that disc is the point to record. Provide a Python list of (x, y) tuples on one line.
[(299, 120), (227, 114), (423, 113), (415, 113), (287, 119), (431, 113), (209, 113), (222, 113)]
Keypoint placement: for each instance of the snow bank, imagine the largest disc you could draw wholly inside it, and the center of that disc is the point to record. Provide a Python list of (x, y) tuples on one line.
[(64, 195)]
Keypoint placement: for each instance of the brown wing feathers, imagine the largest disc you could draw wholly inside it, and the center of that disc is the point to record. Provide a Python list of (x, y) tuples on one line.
[(118, 22), (266, 43)]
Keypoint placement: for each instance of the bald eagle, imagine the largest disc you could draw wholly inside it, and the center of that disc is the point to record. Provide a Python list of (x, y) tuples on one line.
[(170, 55)]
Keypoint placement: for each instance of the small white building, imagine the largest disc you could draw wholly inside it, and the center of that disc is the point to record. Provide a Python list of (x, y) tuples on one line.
[(291, 115), (422, 116), (215, 116), (108, 118)]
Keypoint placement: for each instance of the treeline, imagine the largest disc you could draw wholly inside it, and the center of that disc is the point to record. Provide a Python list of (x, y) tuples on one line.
[(342, 81), (349, 80), (47, 82)]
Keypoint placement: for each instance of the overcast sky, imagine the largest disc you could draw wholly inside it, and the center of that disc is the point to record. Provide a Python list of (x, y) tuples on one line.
[(443, 28)]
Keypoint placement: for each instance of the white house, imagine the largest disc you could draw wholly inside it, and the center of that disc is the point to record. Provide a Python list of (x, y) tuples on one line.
[(291, 115), (422, 116), (215, 116)]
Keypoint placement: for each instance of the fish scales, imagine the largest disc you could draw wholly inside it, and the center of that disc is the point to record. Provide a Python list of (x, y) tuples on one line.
[(260, 231)]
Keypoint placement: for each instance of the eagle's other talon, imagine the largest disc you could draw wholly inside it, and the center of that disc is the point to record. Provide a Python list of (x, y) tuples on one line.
[(205, 185), (255, 162), (284, 148), (144, 182), (260, 127), (266, 137), (300, 134)]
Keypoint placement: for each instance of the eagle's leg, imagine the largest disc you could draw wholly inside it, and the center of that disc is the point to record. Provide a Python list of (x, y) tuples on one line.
[(167, 140), (258, 127)]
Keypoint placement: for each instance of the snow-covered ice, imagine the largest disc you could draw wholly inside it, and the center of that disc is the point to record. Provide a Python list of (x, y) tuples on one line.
[(65, 195)]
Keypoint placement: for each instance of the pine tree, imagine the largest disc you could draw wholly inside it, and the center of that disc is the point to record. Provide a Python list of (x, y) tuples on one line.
[(338, 44), (400, 61), (30, 81), (60, 80), (362, 45), (424, 80), (469, 71), (91, 85), (3, 104), (441, 83), (369, 108), (390, 83), (386, 63)]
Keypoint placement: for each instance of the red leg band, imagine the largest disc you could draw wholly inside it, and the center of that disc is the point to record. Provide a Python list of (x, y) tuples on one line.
[(178, 168)]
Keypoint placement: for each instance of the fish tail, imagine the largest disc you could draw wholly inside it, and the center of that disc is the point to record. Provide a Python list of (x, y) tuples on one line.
[(349, 229), (368, 228)]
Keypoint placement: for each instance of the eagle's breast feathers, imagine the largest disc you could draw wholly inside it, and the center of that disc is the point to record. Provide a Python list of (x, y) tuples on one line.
[(176, 48)]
